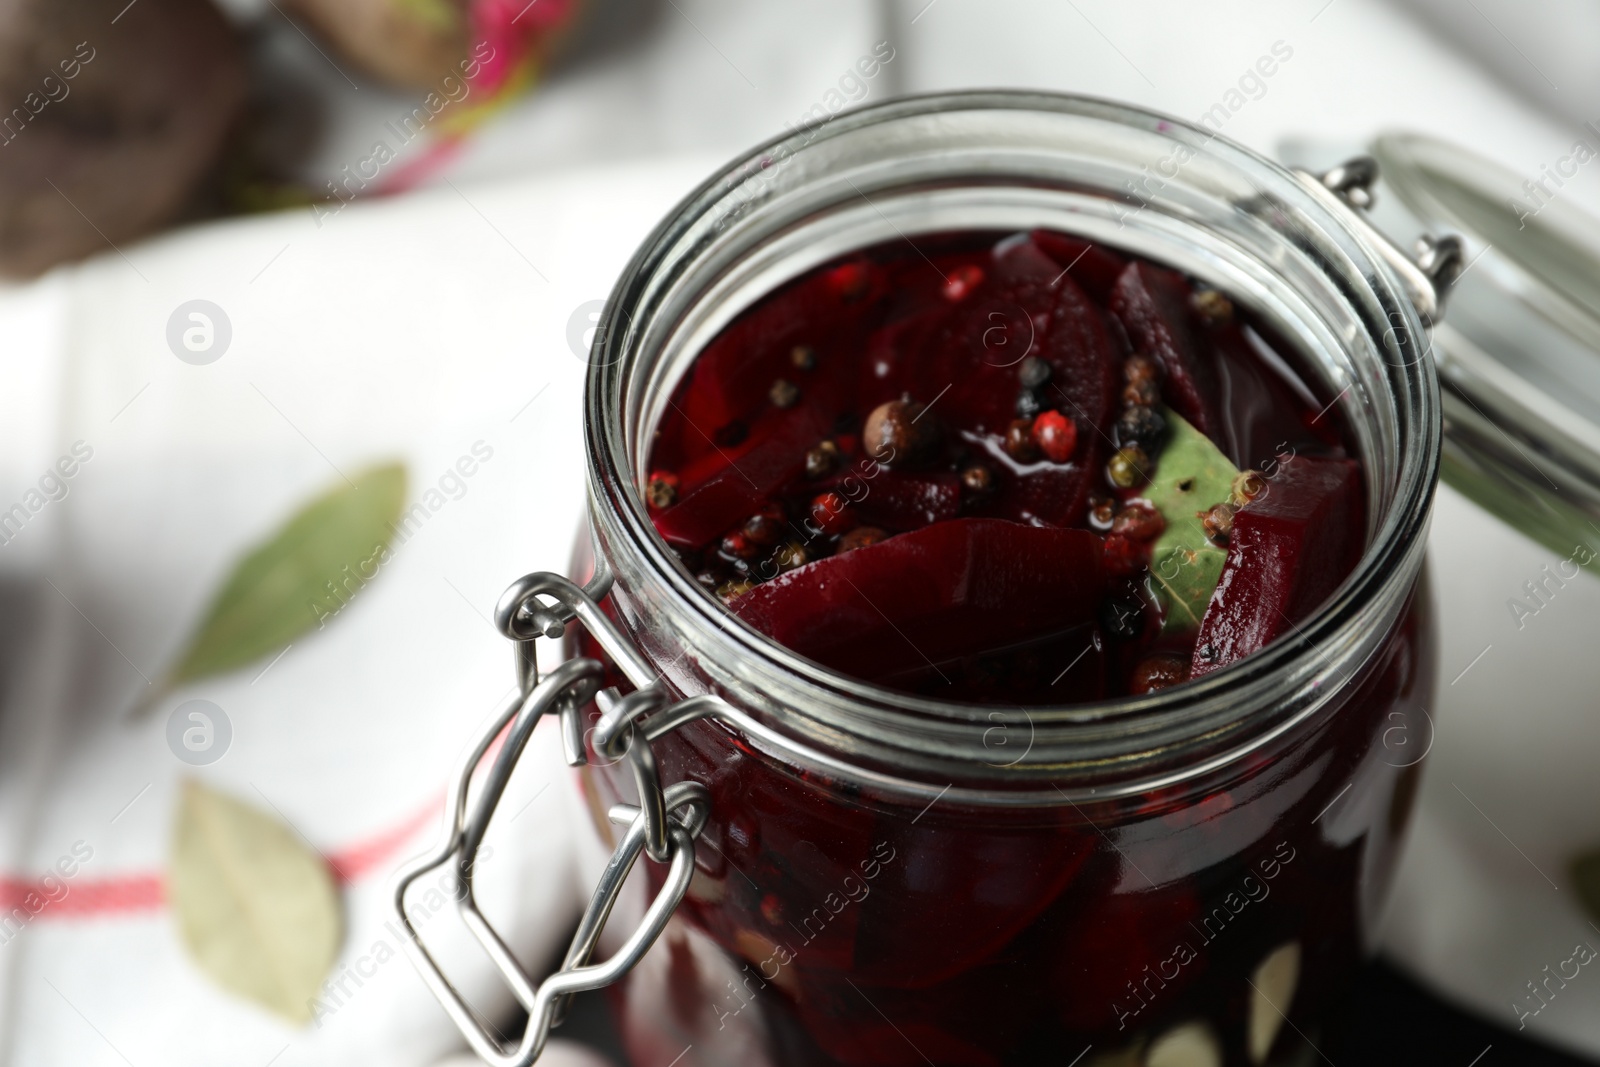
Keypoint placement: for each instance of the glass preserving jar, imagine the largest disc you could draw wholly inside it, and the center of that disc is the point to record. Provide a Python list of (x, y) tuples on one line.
[(844, 874)]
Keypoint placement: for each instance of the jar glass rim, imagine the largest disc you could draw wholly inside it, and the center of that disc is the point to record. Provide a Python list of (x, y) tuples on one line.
[(1335, 239)]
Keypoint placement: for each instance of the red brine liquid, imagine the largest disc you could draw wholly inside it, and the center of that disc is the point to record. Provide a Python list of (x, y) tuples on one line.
[(959, 469), (931, 468)]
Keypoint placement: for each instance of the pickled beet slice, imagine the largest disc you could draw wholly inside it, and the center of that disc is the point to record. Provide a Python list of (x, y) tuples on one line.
[(1153, 305), (1291, 547), (1093, 267), (1118, 947), (899, 501), (956, 588), (1065, 667), (874, 1043), (731, 377), (972, 894), (743, 484)]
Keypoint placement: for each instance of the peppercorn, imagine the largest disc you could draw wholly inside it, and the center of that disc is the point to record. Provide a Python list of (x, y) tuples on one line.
[(1029, 403), (861, 537), (738, 546), (1102, 511), (1033, 372), (1056, 435), (661, 491), (1212, 306), (804, 357), (1144, 393), (1218, 523), (1158, 671), (1142, 426), (1138, 522), (900, 432), (783, 394), (977, 479), (821, 459), (765, 527), (791, 554), (1140, 368), (1020, 445), (1128, 467), (730, 591), (832, 513)]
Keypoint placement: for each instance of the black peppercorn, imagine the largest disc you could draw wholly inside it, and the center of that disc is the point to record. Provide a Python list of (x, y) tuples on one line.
[(1029, 403), (1033, 372), (1142, 426), (1019, 443)]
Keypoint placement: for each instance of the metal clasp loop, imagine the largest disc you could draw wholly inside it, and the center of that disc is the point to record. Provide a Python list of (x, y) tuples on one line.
[(1430, 273), (664, 826)]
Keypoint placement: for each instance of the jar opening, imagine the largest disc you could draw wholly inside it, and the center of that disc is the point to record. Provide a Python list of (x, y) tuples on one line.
[(1156, 187)]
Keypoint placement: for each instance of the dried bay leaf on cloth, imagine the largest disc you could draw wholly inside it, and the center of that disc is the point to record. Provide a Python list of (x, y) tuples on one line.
[(273, 594), (255, 905)]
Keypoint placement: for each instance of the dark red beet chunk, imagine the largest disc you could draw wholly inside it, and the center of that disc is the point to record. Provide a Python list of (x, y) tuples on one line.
[(1153, 305), (1290, 548), (741, 485), (899, 501), (947, 590), (1092, 266)]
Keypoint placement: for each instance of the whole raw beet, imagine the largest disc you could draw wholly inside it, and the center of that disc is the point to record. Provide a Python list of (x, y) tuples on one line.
[(110, 115)]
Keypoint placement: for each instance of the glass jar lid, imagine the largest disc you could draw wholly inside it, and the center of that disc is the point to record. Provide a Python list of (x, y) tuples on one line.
[(1518, 353)]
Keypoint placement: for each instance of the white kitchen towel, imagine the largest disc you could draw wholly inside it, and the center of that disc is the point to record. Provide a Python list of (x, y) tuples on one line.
[(426, 330), (420, 327)]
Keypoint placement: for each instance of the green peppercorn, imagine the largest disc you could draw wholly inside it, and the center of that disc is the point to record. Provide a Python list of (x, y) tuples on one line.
[(1128, 467), (661, 491), (1212, 306), (791, 555), (1139, 368), (1144, 393), (729, 591), (821, 459)]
